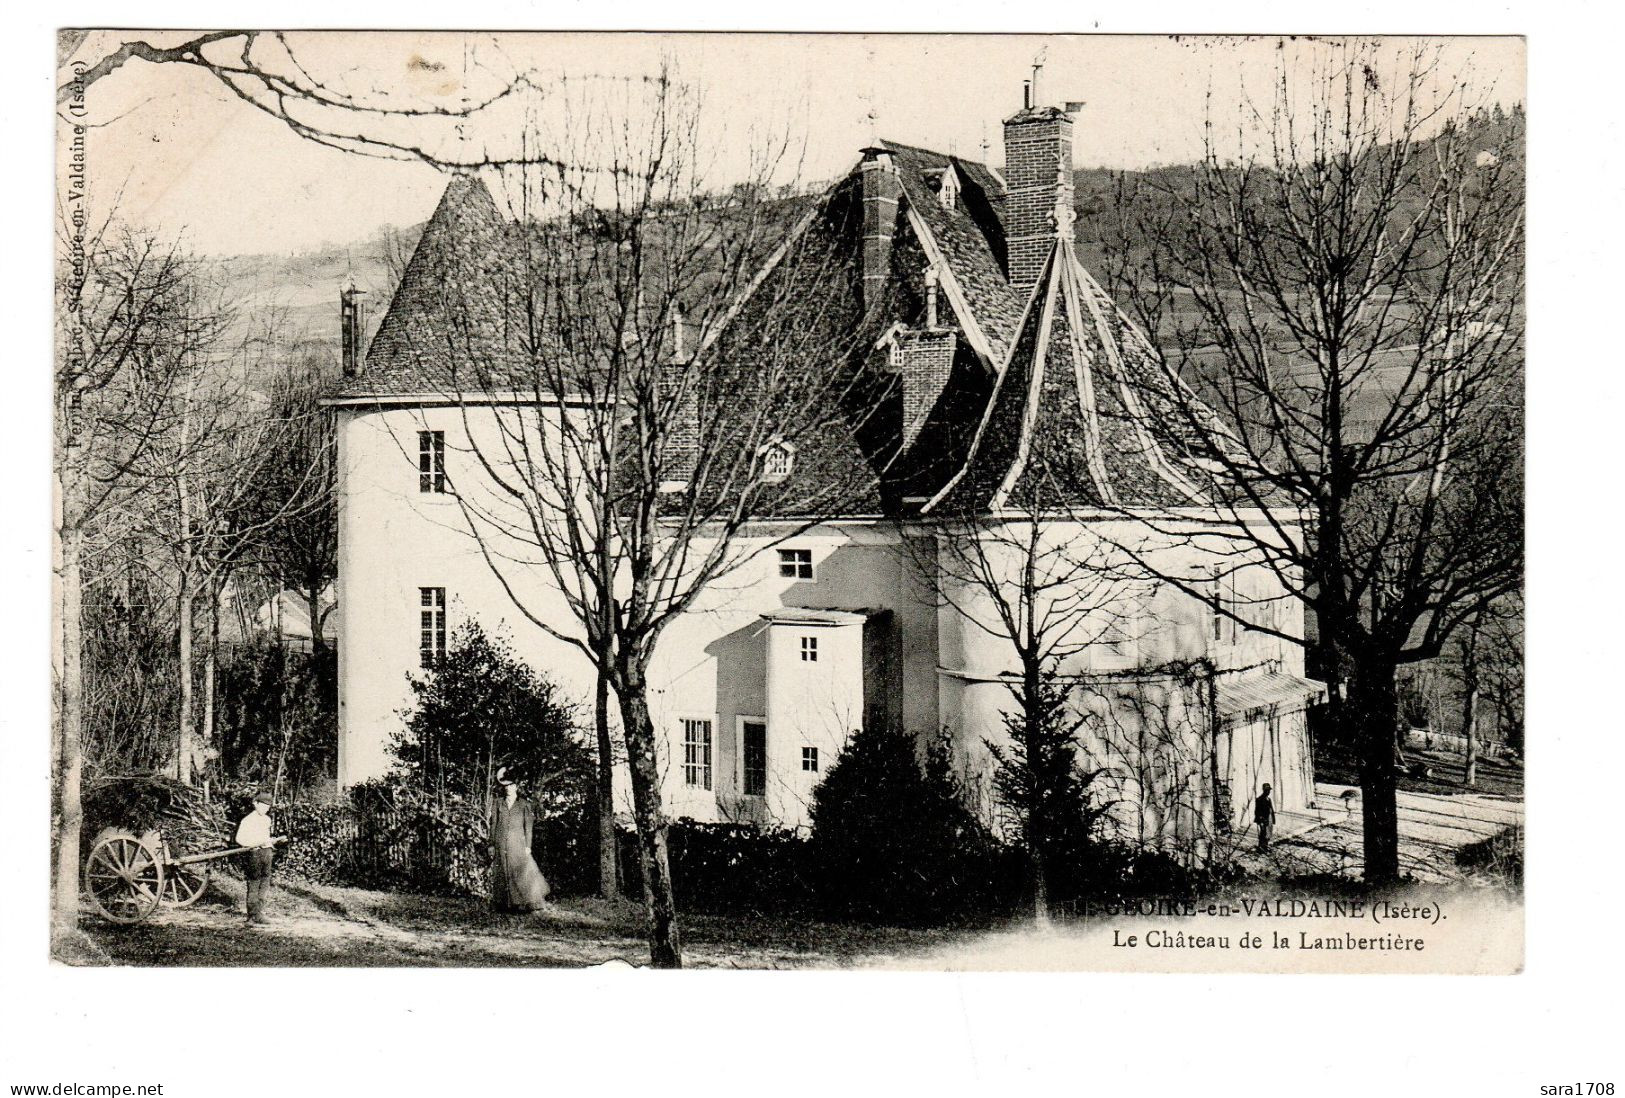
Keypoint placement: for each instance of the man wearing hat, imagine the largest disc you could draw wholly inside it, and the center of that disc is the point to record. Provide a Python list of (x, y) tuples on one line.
[(1264, 817), (255, 833)]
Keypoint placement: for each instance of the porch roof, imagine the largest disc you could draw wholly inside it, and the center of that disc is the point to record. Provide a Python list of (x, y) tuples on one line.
[(1251, 691), (809, 615)]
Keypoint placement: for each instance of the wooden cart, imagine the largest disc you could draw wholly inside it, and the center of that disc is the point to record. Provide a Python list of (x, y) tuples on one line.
[(138, 857), (127, 876)]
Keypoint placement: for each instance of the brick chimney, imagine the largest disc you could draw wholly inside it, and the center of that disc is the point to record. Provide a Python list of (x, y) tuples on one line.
[(881, 189), (352, 329), (1038, 175), (923, 359), (682, 414), (927, 359)]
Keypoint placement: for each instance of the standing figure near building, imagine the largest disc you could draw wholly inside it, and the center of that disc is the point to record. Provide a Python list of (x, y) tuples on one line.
[(516, 882), (1264, 817), (254, 832)]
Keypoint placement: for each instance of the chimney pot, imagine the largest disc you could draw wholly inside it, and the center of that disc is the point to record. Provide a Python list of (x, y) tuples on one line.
[(352, 329)]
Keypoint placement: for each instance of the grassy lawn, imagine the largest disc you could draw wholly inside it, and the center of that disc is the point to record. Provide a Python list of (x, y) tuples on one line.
[(1499, 777), (320, 925)]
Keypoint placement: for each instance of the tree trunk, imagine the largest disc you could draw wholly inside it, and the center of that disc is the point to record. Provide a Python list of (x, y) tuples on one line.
[(183, 609), (608, 851), (313, 597), (66, 754), (1373, 713), (665, 949), (211, 664), (608, 885), (1469, 731), (1469, 715), (185, 745), (1031, 725)]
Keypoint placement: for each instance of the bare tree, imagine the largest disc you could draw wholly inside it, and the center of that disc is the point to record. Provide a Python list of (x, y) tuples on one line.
[(673, 338), (187, 476), (264, 71), (126, 332), (1344, 286), (1037, 580), (294, 523)]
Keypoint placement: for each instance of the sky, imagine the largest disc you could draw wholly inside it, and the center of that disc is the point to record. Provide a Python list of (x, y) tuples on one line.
[(185, 157)]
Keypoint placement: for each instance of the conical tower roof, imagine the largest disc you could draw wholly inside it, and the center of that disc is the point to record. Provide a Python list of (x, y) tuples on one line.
[(457, 320), (1082, 414)]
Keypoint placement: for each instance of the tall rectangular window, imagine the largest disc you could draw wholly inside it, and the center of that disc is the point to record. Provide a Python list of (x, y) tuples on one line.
[(431, 624), (696, 753), (809, 759), (796, 564), (431, 461), (755, 737), (1119, 635), (809, 649)]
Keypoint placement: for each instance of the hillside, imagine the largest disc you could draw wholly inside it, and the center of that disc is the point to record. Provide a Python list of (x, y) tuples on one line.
[(294, 298), (292, 301)]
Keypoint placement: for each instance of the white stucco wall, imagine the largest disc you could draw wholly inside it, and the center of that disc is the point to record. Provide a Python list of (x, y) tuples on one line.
[(710, 663), (721, 660), (394, 540), (1164, 781)]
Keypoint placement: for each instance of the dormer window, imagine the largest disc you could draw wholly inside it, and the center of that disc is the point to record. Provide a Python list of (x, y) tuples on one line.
[(892, 344), (778, 461), (948, 189)]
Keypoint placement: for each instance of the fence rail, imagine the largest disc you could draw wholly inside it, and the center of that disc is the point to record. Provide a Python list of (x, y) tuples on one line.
[(383, 846), (1449, 741)]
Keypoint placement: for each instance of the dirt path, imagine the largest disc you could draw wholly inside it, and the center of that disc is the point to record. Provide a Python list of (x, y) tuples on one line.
[(1433, 828), (315, 925)]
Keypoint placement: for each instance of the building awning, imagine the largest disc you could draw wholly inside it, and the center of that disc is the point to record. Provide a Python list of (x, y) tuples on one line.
[(807, 615), (1252, 691)]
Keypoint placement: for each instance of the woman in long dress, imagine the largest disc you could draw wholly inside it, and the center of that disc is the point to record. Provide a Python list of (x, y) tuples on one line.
[(516, 883)]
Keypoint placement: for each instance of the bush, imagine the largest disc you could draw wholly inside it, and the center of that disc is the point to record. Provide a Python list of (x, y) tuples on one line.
[(425, 827), (1103, 872), (481, 708), (278, 715), (893, 840), (388, 837), (731, 869)]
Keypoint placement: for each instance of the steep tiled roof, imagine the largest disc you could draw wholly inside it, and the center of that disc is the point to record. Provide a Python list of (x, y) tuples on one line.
[(1054, 397), (457, 320), (1067, 425), (970, 246)]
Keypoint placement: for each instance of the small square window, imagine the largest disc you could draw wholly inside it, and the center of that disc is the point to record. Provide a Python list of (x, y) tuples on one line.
[(795, 564), (809, 759), (809, 649)]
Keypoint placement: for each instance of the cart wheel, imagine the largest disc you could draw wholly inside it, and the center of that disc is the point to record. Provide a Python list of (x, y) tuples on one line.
[(124, 877), (184, 885)]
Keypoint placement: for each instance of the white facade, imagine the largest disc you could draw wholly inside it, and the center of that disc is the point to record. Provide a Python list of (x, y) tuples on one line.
[(809, 656)]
